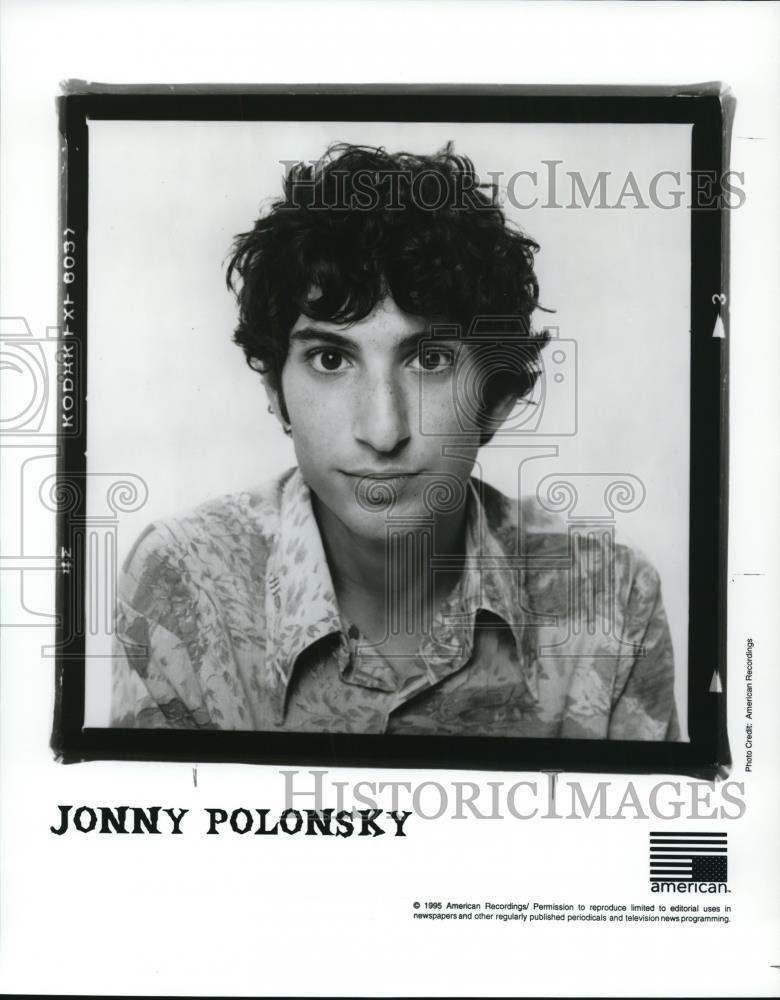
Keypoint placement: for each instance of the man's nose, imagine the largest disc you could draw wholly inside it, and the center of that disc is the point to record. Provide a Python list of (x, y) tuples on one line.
[(381, 417)]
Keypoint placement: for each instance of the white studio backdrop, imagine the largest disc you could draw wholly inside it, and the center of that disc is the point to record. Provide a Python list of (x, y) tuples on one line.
[(171, 400)]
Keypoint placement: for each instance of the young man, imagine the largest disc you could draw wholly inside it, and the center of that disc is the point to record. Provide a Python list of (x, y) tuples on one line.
[(378, 587)]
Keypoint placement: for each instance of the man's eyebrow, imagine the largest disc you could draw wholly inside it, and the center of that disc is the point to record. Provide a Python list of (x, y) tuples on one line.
[(413, 339), (308, 334)]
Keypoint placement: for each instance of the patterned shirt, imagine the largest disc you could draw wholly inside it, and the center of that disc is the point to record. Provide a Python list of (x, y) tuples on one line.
[(227, 619)]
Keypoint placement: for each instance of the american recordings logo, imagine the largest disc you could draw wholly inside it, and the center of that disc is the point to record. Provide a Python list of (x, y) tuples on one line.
[(688, 861)]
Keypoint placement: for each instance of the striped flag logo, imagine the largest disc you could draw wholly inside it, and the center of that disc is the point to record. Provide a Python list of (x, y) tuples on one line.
[(688, 857)]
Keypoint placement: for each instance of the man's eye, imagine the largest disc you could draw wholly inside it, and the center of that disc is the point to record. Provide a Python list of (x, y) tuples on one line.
[(434, 360), (327, 361)]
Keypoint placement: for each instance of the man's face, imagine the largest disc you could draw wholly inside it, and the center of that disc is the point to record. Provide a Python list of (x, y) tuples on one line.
[(354, 395)]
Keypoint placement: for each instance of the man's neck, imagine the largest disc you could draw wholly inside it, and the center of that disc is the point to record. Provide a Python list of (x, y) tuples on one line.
[(373, 576)]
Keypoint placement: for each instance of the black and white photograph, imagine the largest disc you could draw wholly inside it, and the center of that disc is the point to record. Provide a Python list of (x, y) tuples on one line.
[(388, 537), (389, 422)]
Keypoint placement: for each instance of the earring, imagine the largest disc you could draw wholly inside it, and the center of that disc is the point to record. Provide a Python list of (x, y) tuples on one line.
[(270, 408), (288, 430)]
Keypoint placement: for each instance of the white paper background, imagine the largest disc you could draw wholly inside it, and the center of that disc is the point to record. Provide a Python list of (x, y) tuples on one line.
[(228, 915)]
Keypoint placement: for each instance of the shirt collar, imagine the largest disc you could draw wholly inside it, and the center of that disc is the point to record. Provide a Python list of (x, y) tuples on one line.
[(301, 606), (493, 578)]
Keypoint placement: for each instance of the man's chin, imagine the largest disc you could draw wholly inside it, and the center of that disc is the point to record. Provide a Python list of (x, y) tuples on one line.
[(374, 516), (374, 527)]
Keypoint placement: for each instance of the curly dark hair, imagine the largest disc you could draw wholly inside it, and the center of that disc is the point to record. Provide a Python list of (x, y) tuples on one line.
[(362, 224)]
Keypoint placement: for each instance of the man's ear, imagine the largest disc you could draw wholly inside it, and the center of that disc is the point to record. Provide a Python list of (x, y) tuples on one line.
[(501, 410), (496, 415), (276, 403)]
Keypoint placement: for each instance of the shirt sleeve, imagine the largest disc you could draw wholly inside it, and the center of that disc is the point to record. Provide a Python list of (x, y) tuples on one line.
[(154, 683), (643, 706)]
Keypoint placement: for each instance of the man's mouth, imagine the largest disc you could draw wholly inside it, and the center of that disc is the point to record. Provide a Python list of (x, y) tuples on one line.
[(374, 488), (384, 474)]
